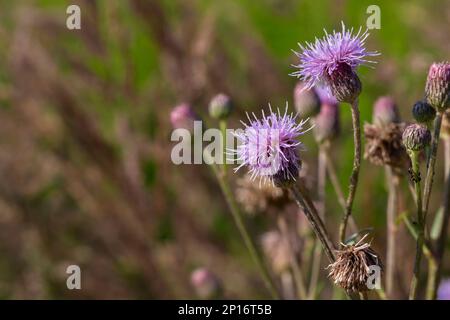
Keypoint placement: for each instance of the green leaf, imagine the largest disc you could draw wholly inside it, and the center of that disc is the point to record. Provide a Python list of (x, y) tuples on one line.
[(437, 224)]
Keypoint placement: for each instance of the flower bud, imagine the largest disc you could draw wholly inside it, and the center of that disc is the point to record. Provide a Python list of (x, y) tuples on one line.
[(423, 112), (306, 102), (437, 88), (385, 111), (344, 84), (220, 106), (416, 137), (206, 284), (182, 116), (327, 123)]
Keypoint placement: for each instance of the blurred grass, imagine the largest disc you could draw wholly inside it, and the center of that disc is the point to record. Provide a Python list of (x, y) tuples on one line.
[(133, 78)]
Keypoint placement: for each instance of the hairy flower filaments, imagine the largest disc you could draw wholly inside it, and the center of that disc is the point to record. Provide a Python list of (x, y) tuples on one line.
[(269, 147), (333, 61), (352, 268)]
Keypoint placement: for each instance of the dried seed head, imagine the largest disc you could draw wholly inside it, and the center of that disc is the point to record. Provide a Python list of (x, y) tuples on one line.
[(384, 145), (276, 249), (385, 111), (437, 88), (423, 112), (306, 101), (351, 270), (255, 199), (206, 284), (416, 137), (220, 106)]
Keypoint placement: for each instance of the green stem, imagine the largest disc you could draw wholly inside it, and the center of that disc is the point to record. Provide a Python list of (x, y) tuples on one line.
[(355, 172), (420, 224), (431, 163), (249, 243), (296, 270), (317, 252), (331, 170), (392, 181), (305, 203), (223, 129), (434, 274)]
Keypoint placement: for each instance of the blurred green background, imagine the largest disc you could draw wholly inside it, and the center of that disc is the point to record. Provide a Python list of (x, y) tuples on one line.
[(85, 170)]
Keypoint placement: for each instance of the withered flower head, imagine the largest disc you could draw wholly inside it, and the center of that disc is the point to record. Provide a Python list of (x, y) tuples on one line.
[(255, 198), (276, 249), (384, 145), (351, 270)]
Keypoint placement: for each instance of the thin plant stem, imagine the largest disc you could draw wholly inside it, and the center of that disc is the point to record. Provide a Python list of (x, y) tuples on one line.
[(317, 252), (431, 163), (435, 267), (392, 181), (248, 241), (355, 171), (296, 270), (223, 130), (331, 170), (415, 172), (426, 248), (305, 203)]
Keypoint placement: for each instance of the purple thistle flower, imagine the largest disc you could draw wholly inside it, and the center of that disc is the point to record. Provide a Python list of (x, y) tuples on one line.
[(269, 147), (444, 290), (182, 116), (332, 61)]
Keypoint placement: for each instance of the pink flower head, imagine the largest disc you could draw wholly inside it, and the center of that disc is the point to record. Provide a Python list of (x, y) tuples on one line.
[(182, 116), (269, 146), (333, 61)]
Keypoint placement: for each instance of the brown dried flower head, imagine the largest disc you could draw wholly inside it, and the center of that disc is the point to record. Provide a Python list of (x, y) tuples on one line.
[(384, 145), (276, 249), (258, 198), (351, 270)]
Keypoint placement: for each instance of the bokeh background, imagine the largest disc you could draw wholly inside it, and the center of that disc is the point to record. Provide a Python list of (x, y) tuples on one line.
[(85, 170)]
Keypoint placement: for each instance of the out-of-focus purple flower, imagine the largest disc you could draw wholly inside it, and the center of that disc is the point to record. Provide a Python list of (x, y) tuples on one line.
[(385, 111), (182, 116), (325, 96), (332, 61), (306, 102), (327, 122), (269, 147), (443, 292), (220, 106), (206, 283)]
